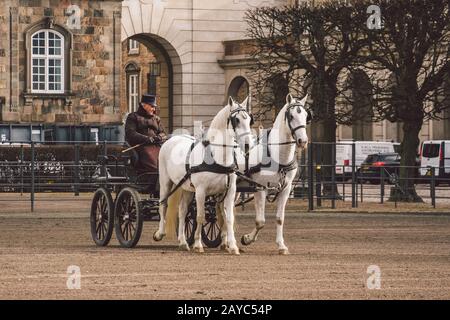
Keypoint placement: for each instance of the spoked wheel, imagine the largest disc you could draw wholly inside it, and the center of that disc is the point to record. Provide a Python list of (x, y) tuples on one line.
[(211, 229), (128, 217), (191, 223), (102, 217)]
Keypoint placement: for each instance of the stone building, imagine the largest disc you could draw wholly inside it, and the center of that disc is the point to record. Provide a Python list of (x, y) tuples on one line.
[(69, 64), (59, 63)]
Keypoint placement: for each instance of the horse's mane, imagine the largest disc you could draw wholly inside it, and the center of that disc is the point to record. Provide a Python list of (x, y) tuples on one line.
[(280, 117), (219, 122)]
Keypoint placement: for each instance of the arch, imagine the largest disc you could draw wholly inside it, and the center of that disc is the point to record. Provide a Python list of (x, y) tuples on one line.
[(132, 66), (239, 88), (171, 79)]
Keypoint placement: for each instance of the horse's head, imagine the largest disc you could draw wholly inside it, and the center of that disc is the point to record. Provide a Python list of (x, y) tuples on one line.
[(297, 117), (241, 121)]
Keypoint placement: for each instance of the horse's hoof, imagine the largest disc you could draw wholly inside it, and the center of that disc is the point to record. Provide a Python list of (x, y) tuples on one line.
[(245, 240), (223, 247), (198, 249), (283, 252), (234, 251), (184, 247), (157, 236)]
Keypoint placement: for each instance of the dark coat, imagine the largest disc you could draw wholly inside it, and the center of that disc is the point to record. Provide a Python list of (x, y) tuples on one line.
[(139, 128)]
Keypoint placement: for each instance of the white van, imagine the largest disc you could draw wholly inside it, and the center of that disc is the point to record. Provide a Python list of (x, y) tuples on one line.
[(435, 153), (362, 150)]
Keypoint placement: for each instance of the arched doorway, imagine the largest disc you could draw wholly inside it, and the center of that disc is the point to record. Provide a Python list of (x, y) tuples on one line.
[(151, 65), (239, 89)]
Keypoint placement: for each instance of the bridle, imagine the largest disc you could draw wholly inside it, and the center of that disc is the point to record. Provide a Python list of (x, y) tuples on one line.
[(289, 118), (233, 120)]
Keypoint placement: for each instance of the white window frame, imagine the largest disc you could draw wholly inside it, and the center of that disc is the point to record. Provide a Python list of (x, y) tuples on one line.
[(133, 96), (46, 58), (133, 46)]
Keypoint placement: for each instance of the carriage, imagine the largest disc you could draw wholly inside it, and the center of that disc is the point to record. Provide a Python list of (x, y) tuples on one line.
[(127, 212), (136, 200)]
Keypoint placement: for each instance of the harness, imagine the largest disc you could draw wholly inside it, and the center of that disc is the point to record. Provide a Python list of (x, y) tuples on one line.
[(283, 169), (211, 166)]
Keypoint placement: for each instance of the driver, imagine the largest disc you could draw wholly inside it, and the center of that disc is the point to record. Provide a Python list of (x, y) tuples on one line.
[(145, 127)]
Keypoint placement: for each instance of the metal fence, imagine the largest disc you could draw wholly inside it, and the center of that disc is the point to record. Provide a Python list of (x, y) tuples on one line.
[(318, 180), (28, 167)]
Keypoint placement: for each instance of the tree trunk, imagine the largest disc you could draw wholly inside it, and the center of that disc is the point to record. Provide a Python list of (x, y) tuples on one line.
[(404, 190), (324, 106)]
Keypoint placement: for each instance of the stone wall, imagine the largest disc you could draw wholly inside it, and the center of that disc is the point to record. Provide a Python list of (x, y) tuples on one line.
[(92, 93)]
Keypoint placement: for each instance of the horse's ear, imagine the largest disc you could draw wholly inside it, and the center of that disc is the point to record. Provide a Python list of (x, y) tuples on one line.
[(246, 102), (303, 102), (231, 101), (289, 98)]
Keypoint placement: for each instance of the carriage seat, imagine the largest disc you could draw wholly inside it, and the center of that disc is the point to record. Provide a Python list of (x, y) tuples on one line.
[(146, 181)]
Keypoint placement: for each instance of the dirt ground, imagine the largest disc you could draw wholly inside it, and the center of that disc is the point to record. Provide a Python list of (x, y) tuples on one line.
[(330, 254)]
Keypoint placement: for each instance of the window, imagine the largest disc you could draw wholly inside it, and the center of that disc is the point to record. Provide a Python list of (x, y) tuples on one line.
[(133, 93), (431, 150), (133, 47), (152, 77), (47, 62)]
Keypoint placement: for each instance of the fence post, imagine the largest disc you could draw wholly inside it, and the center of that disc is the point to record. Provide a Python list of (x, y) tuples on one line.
[(32, 176), (333, 176), (21, 168), (105, 165), (318, 176), (353, 176), (77, 170), (382, 185), (310, 178), (433, 187)]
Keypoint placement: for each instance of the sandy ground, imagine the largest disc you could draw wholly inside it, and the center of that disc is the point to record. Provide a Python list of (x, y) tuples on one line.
[(330, 254)]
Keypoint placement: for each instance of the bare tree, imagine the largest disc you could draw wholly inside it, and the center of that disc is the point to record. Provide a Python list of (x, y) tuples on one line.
[(303, 49), (408, 60)]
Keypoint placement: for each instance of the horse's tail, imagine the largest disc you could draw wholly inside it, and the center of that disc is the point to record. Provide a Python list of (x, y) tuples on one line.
[(172, 214)]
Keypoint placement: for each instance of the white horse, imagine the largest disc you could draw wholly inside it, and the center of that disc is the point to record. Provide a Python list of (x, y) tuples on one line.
[(279, 166), (204, 168)]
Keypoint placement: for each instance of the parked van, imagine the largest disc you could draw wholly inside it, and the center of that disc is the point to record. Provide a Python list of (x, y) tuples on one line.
[(362, 150), (435, 154)]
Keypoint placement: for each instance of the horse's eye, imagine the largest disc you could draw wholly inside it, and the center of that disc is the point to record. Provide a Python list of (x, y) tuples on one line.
[(299, 110)]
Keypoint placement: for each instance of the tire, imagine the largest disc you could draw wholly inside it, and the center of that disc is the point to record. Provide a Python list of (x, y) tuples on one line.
[(102, 217), (128, 217), (211, 229), (191, 223)]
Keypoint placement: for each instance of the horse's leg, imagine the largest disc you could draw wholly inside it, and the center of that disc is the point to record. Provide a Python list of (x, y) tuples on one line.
[(223, 226), (186, 199), (165, 188), (200, 197), (228, 206), (260, 203), (281, 204)]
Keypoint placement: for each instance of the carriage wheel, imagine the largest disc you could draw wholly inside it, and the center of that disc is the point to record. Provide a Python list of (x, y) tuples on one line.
[(102, 217), (191, 223), (128, 217), (211, 229)]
